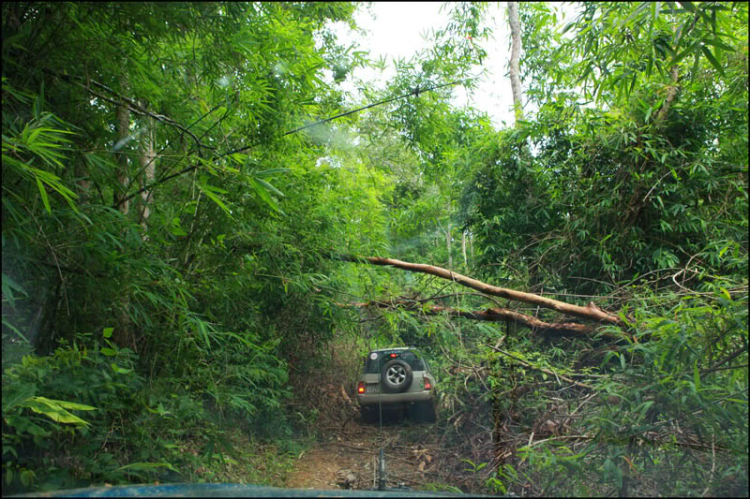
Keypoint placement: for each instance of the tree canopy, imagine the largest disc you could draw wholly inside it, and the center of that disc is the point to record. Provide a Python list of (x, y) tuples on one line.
[(192, 204)]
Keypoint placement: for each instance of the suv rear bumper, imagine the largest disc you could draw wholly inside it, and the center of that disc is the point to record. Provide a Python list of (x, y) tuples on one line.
[(394, 398)]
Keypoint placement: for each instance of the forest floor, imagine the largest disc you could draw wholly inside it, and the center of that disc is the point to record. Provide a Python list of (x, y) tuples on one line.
[(347, 458), (420, 456)]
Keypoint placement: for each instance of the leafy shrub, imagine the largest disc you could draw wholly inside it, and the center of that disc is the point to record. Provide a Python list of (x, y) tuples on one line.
[(38, 397)]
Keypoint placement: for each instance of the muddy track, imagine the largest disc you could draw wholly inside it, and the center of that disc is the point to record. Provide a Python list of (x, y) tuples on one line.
[(348, 458)]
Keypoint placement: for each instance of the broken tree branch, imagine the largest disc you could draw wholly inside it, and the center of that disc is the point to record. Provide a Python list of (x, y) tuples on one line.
[(590, 311), (495, 314)]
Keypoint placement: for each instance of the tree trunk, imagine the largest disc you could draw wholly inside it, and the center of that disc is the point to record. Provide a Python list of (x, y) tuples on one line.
[(83, 183), (671, 95), (515, 55), (463, 248), (123, 335), (123, 132), (448, 245), (148, 167), (471, 249)]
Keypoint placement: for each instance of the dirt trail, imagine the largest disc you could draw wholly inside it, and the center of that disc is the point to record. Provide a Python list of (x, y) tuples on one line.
[(348, 460)]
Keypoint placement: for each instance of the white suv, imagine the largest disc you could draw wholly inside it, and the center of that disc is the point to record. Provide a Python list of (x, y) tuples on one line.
[(396, 378)]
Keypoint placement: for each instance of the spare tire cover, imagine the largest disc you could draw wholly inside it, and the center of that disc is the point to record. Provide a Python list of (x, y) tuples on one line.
[(396, 376)]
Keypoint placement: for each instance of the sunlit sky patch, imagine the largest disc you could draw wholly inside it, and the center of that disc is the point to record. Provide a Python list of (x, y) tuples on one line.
[(400, 29)]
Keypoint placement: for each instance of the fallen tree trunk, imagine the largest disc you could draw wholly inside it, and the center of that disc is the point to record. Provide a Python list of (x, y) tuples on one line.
[(491, 315), (590, 311)]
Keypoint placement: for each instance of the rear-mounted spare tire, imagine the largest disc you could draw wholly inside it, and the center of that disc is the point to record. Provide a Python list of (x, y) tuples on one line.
[(396, 376)]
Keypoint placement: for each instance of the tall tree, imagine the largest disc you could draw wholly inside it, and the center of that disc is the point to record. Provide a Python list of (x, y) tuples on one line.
[(120, 146), (205, 262), (515, 57)]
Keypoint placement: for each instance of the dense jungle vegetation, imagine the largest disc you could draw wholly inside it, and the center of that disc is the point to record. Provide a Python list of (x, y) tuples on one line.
[(171, 279)]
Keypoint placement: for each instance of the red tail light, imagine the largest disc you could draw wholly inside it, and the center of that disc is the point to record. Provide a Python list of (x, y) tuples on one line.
[(427, 385), (361, 387)]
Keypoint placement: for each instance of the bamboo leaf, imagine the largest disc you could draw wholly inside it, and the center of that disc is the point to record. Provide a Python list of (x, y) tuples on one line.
[(264, 195), (272, 171), (43, 193), (209, 191), (682, 54), (8, 285), (56, 410), (712, 60), (719, 44), (270, 187), (143, 466)]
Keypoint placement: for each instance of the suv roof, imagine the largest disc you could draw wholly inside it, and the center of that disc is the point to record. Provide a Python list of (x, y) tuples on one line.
[(393, 348)]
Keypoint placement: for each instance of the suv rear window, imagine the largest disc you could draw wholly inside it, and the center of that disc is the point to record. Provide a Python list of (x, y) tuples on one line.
[(373, 366)]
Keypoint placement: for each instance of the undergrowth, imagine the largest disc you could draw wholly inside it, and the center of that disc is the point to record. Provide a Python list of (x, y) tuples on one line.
[(83, 416)]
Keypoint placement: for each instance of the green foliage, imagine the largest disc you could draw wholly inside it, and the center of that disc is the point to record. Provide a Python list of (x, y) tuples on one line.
[(35, 144), (204, 257), (101, 377), (143, 430), (664, 392), (155, 188), (621, 198), (656, 37), (624, 190)]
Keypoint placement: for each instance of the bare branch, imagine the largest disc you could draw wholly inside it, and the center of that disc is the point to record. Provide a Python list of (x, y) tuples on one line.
[(414, 92), (489, 315), (130, 103), (591, 311)]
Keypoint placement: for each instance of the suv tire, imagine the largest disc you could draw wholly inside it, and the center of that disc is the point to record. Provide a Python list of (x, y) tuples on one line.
[(423, 412), (396, 376)]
